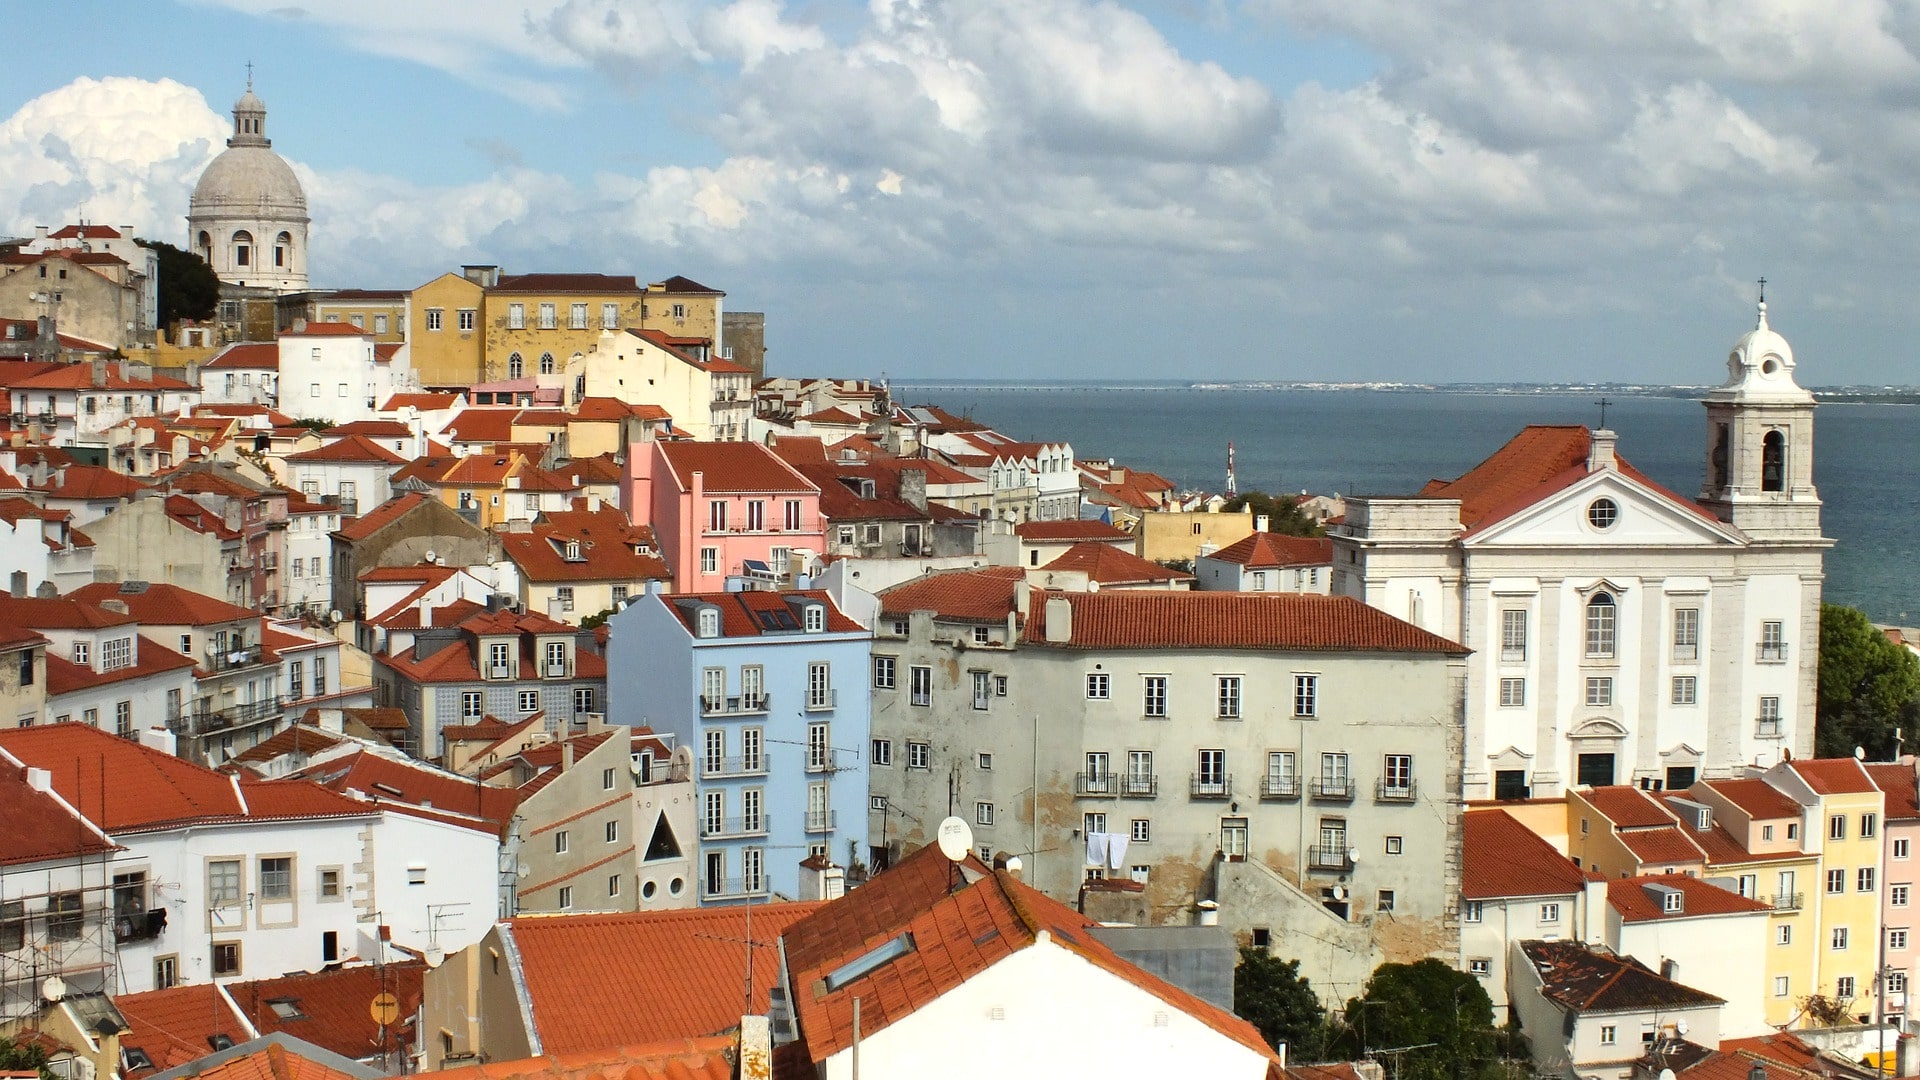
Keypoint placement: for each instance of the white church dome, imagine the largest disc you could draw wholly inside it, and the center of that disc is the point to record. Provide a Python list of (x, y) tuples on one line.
[(1761, 366), (252, 180)]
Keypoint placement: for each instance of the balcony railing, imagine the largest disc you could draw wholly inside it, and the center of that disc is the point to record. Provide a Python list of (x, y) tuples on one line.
[(819, 821), (1686, 654), (733, 766), (1771, 652), (139, 925), (1767, 727), (733, 826), (1397, 791), (1096, 784), (738, 705), (1330, 857), (198, 721), (1788, 901), (717, 888), (1332, 789), (232, 659), (819, 700), (1140, 785), (1210, 785), (1279, 787)]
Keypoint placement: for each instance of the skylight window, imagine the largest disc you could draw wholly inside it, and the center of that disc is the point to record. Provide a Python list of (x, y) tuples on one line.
[(870, 961)]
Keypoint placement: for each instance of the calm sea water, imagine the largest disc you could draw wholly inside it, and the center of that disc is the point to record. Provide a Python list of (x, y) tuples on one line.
[(1378, 442)]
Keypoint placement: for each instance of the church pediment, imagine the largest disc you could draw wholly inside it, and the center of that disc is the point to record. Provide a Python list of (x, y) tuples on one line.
[(1599, 728), (1605, 509)]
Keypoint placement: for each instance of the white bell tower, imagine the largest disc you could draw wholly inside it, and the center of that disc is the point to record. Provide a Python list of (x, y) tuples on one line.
[(1759, 475)]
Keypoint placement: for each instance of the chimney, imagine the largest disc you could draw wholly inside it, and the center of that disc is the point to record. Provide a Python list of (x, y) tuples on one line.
[(1906, 1054), (119, 606), (99, 374), (1600, 454), (39, 779), (39, 232), (1260, 522), (566, 755), (756, 1048), (913, 487), (1059, 618), (1209, 913), (159, 738)]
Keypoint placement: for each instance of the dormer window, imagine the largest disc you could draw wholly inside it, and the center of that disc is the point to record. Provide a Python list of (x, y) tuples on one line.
[(814, 618), (1673, 902), (80, 649), (573, 551), (499, 665), (708, 622)]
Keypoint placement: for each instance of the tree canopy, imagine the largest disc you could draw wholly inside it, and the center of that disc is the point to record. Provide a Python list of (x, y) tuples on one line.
[(1868, 686), (1444, 1016), (1283, 513), (1272, 995), (23, 1057), (188, 287)]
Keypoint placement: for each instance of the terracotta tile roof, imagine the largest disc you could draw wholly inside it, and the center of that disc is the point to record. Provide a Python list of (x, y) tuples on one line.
[(1153, 619), (251, 355), (66, 677), (983, 595), (1721, 849), (596, 981), (332, 1005), (1054, 532), (1265, 550), (1761, 800), (86, 232), (1110, 565), (383, 779), (835, 415), (757, 613), (1630, 898), (481, 425), (423, 402), (1586, 981), (597, 284), (272, 1057), (157, 603), (191, 515), (1669, 846), (58, 613), (39, 825), (381, 516), (1503, 858), (958, 931), (328, 329), (80, 377), (711, 1058), (1833, 776), (490, 729), (1783, 1047), (606, 408), (1626, 806), (675, 347), (1898, 782), (292, 739), (88, 482), (731, 467), (840, 498), (357, 449), (1540, 460), (683, 285), (172, 1025), (608, 549)]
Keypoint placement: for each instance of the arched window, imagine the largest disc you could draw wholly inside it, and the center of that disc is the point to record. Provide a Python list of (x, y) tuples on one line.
[(205, 245), (546, 363), (1773, 461), (282, 246), (1600, 613), (242, 248), (515, 366), (1720, 457)]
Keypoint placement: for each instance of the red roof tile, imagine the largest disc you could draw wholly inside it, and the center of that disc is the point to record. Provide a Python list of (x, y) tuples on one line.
[(58, 613), (250, 355), (39, 825), (747, 614), (1899, 783), (1667, 846), (1054, 532), (383, 779), (1540, 460), (710, 1058), (983, 595), (66, 677), (88, 482), (328, 329), (332, 1006), (597, 284), (423, 402), (292, 739), (352, 448), (1833, 776), (731, 467), (1581, 979), (1265, 550), (258, 1059), (608, 548), (381, 516), (158, 603), (482, 425), (1630, 898), (1110, 565), (172, 1025), (596, 981), (1154, 619), (1503, 858), (1626, 806), (1761, 800)]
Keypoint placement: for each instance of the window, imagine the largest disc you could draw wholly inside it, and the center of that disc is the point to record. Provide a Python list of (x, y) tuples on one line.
[(1869, 825), (982, 636), (1233, 838), (1600, 615), (609, 316), (1672, 902), (1154, 697), (1686, 634), (434, 316), (999, 686), (1896, 982), (1773, 640), (1897, 895), (166, 971), (1843, 987), (123, 719), (583, 700), (468, 317), (1396, 845), (1141, 831), (1684, 689), (1837, 827), (1839, 938), (1602, 513), (983, 761), (1211, 779), (982, 690), (1783, 935), (1480, 968), (529, 701), (471, 704), (717, 515), (516, 316), (1901, 847), (1097, 686), (1472, 911), (116, 653), (1513, 693), (560, 842), (1780, 986), (1549, 913), (416, 874), (1793, 830), (1836, 881), (1093, 823), (329, 884), (819, 749), (917, 755), (1227, 697), (1383, 901), (1897, 938), (566, 898), (882, 751), (709, 560), (548, 316), (226, 958), (752, 750), (1396, 776), (819, 685), (1513, 635), (877, 802), (1863, 879), (1306, 695), (80, 653), (577, 317), (1609, 1034), (276, 878), (920, 685), (223, 882), (1599, 692), (983, 813)]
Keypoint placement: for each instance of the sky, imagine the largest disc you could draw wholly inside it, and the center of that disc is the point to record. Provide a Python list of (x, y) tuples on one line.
[(1335, 190)]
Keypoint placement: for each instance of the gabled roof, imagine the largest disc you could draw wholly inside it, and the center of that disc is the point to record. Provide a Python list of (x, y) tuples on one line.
[(39, 825), (1761, 800), (79, 377), (58, 613), (172, 1025), (1156, 619), (1627, 807), (983, 595), (1540, 460), (330, 1006), (158, 603), (1833, 776), (382, 516), (1899, 783), (275, 1056), (1586, 981), (1266, 551), (352, 448), (961, 922), (1074, 531), (598, 284), (423, 402), (731, 467), (608, 548), (1502, 858), (710, 1058), (757, 613), (595, 981), (292, 739), (683, 285), (66, 677), (1110, 565), (328, 329), (1629, 896), (387, 780), (1669, 845), (487, 424), (88, 482), (248, 355)]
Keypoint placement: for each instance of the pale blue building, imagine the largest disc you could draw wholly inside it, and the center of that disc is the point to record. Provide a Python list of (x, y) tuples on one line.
[(752, 684)]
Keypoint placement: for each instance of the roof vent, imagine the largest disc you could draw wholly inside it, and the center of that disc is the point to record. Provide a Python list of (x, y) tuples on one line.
[(132, 588)]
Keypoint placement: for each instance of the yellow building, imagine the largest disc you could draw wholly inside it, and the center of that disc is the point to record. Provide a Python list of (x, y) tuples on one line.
[(445, 345), (1174, 535), (383, 312), (1843, 811)]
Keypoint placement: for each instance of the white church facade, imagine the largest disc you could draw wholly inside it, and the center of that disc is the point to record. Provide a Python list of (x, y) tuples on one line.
[(248, 213), (1621, 632)]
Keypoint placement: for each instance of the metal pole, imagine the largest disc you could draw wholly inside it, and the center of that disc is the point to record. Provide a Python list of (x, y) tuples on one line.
[(856, 1039)]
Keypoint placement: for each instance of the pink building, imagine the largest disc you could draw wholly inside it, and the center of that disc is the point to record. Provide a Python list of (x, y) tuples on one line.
[(1900, 837), (723, 509)]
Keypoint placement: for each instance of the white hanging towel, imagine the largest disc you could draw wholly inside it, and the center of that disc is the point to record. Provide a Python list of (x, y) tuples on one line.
[(1097, 849), (1116, 850)]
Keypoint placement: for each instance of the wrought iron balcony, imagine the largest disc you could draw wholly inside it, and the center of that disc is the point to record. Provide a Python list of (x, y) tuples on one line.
[(1096, 785), (733, 826), (819, 700), (1767, 727), (1397, 791), (1139, 785), (1280, 787), (1788, 901), (716, 888), (1332, 789), (232, 659), (1210, 785), (1771, 652), (733, 766), (819, 821), (1336, 858), (738, 705)]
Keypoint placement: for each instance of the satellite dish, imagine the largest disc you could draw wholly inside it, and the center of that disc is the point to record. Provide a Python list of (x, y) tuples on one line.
[(955, 838), (432, 556), (334, 615), (53, 988), (1666, 1074), (1680, 1026), (1859, 753)]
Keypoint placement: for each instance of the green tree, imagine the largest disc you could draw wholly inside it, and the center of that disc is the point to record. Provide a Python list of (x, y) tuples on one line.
[(1283, 513), (1445, 1013), (1868, 686), (1272, 995), (15, 1057), (188, 287)]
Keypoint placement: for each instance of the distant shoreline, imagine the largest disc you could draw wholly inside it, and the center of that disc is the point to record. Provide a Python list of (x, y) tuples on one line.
[(1831, 395)]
